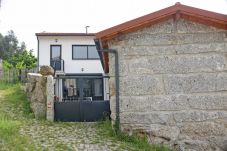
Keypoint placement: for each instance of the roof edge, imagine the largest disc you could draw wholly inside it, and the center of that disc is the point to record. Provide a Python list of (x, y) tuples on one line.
[(175, 11), (211, 18), (64, 34)]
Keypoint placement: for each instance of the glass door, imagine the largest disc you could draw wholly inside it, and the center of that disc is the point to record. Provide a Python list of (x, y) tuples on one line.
[(97, 89), (86, 87), (55, 56), (83, 89)]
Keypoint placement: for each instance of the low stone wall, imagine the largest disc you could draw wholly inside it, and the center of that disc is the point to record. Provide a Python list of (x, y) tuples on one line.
[(40, 90)]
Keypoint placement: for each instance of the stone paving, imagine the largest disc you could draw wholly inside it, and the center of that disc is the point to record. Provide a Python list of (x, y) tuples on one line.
[(59, 136), (69, 136)]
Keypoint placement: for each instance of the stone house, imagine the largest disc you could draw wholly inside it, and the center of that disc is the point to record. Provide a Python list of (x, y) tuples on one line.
[(172, 76)]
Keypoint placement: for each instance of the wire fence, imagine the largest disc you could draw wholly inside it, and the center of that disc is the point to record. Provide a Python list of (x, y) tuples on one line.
[(15, 75)]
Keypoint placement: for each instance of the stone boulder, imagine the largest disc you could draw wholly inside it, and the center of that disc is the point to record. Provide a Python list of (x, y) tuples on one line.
[(46, 70), (36, 91)]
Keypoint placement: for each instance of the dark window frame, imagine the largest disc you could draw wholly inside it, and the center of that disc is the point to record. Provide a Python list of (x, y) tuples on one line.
[(87, 58), (51, 51)]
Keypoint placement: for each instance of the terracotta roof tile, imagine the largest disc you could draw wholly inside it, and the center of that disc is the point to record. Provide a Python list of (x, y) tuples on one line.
[(176, 11), (182, 11)]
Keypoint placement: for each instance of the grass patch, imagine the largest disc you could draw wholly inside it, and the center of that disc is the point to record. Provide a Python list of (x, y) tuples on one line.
[(104, 128), (7, 127), (10, 136), (10, 139), (62, 147), (6, 85), (17, 98)]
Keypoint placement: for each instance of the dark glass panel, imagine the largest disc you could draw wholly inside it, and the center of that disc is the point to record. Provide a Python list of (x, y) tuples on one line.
[(79, 52), (92, 52), (55, 52)]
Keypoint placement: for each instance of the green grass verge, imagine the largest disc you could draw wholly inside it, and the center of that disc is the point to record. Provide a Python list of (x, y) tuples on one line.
[(105, 129), (6, 85), (10, 139), (17, 99)]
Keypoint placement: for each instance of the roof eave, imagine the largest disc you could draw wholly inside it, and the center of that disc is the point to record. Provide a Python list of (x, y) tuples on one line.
[(176, 11), (64, 34), (186, 12)]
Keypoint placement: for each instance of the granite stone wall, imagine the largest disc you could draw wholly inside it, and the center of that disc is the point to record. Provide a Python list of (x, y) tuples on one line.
[(40, 90), (173, 84)]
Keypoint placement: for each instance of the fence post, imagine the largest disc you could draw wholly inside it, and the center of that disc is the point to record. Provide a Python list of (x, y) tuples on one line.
[(8, 77), (50, 98)]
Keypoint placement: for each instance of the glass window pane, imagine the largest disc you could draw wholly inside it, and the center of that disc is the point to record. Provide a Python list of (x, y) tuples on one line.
[(92, 52), (87, 85), (55, 52), (79, 52), (98, 87), (70, 88)]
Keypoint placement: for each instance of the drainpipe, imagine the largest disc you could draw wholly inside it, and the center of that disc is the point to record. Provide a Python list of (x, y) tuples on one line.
[(113, 51)]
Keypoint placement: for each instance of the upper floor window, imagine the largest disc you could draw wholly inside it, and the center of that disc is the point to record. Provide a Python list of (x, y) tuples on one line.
[(55, 57), (55, 52), (84, 52)]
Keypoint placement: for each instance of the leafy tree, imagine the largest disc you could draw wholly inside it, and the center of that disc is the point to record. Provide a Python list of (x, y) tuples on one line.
[(7, 65), (15, 55), (29, 60), (10, 45), (2, 48), (22, 47), (24, 60)]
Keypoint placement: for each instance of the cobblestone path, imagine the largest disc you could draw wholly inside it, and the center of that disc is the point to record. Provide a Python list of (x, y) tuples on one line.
[(70, 136), (59, 136)]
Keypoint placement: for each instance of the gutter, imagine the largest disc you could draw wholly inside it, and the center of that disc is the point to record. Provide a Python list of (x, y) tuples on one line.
[(113, 51)]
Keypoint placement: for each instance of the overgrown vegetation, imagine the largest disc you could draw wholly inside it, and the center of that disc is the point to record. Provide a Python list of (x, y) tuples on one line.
[(15, 55), (138, 144), (17, 98), (23, 60), (10, 139)]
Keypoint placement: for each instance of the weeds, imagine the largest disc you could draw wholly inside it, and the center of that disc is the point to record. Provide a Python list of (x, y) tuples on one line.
[(105, 129), (9, 126)]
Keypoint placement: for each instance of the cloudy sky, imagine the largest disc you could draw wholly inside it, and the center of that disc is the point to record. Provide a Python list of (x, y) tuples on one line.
[(27, 17)]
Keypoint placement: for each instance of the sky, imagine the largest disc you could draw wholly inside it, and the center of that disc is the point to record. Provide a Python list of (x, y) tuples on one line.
[(27, 17)]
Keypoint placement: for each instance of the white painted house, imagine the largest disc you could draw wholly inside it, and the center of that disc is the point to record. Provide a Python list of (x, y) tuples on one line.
[(78, 69)]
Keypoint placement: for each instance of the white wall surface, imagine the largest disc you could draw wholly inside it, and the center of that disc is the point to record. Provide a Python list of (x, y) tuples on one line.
[(66, 42)]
